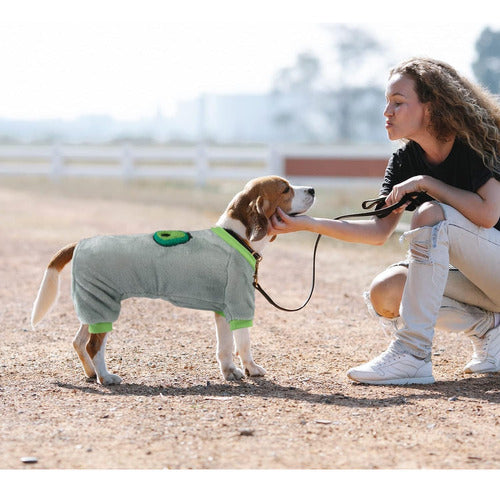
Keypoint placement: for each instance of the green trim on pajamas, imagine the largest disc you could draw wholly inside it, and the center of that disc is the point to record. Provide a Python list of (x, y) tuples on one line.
[(233, 242), (101, 328), (237, 324)]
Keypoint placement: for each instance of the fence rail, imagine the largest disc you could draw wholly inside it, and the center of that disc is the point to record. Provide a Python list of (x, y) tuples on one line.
[(199, 163)]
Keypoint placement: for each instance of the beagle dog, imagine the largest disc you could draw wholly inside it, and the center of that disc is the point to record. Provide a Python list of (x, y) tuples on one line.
[(211, 270)]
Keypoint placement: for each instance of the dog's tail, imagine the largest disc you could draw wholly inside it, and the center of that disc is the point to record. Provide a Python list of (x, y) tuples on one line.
[(49, 287)]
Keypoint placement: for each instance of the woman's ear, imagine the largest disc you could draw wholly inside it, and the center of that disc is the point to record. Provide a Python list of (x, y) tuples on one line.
[(257, 221)]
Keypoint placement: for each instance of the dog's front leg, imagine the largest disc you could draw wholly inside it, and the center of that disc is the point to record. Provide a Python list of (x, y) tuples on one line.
[(242, 338), (225, 350)]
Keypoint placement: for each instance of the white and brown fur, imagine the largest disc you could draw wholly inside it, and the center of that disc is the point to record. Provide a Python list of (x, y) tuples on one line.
[(247, 215)]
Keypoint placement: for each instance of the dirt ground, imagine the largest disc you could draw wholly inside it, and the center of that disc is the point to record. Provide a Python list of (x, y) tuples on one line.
[(173, 409)]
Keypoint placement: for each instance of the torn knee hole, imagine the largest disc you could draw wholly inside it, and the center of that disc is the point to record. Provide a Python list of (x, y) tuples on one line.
[(420, 252)]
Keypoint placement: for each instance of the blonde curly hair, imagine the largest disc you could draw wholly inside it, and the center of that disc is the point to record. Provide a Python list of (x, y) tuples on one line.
[(457, 107)]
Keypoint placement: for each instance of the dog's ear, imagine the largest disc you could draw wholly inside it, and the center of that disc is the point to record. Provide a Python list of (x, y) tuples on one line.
[(257, 220)]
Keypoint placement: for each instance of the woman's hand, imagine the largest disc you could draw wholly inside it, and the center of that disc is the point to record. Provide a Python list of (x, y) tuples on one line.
[(480, 207), (369, 231), (281, 223), (415, 184)]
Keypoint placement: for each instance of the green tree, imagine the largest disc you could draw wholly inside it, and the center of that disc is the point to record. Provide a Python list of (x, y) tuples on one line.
[(317, 101), (486, 67), (295, 90), (302, 76), (354, 48)]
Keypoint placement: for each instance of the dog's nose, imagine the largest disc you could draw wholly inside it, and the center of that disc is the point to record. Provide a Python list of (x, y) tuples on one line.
[(311, 191)]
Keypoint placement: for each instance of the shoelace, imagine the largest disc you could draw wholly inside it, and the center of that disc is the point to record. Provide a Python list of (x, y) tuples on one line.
[(388, 355)]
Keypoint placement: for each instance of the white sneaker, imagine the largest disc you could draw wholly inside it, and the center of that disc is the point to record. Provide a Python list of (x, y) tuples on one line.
[(486, 356), (393, 367)]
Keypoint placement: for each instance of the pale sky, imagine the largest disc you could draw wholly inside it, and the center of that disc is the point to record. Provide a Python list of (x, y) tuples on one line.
[(128, 60)]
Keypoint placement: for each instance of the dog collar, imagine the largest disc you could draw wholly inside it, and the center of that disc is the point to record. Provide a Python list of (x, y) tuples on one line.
[(238, 244)]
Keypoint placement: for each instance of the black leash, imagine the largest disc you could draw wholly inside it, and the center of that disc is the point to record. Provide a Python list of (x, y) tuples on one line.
[(367, 204), (268, 298)]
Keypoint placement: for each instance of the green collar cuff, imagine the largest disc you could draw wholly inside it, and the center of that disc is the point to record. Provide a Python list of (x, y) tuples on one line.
[(235, 244)]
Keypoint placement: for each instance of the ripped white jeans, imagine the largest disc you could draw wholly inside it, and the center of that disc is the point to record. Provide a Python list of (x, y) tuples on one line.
[(459, 301)]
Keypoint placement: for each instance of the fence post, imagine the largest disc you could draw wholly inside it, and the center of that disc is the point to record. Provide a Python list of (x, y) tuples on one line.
[(57, 162), (127, 162), (201, 163)]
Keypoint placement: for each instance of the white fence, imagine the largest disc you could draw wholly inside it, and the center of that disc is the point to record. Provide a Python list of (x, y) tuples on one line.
[(199, 163)]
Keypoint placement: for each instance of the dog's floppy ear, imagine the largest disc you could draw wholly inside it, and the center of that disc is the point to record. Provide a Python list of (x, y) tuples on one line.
[(257, 220)]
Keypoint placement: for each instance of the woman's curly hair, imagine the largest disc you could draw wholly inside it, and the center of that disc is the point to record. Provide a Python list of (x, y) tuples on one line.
[(457, 107)]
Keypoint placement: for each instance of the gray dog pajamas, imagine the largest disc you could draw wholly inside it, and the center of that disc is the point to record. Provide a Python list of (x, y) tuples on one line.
[(207, 270)]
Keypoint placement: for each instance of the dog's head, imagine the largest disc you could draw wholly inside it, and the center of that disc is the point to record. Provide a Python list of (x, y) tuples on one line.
[(260, 198)]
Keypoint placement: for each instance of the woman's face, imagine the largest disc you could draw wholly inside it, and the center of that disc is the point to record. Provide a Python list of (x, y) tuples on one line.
[(406, 117)]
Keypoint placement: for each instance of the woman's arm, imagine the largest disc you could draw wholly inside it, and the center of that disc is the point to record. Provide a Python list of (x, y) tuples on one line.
[(482, 207), (372, 231)]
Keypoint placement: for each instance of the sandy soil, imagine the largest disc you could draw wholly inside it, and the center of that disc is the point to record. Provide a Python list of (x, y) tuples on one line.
[(173, 409)]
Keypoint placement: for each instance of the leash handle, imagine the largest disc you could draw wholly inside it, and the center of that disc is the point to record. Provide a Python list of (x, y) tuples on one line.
[(410, 198), (373, 202), (367, 204)]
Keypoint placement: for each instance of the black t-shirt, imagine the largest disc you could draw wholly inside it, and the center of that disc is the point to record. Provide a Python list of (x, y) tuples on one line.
[(463, 168)]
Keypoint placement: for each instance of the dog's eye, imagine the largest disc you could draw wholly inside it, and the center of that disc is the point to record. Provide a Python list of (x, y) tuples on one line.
[(286, 190)]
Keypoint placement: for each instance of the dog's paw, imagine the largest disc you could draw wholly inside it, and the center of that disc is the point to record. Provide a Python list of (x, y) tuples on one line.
[(254, 370), (232, 373), (109, 379)]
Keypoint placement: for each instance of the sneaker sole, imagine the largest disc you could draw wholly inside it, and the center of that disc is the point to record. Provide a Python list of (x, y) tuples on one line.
[(399, 382)]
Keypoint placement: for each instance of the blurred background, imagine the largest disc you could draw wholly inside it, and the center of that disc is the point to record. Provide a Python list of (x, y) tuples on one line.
[(220, 82), (153, 83)]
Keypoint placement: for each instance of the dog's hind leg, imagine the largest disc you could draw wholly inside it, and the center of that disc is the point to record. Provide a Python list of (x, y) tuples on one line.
[(79, 344), (96, 348), (225, 350), (242, 338)]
